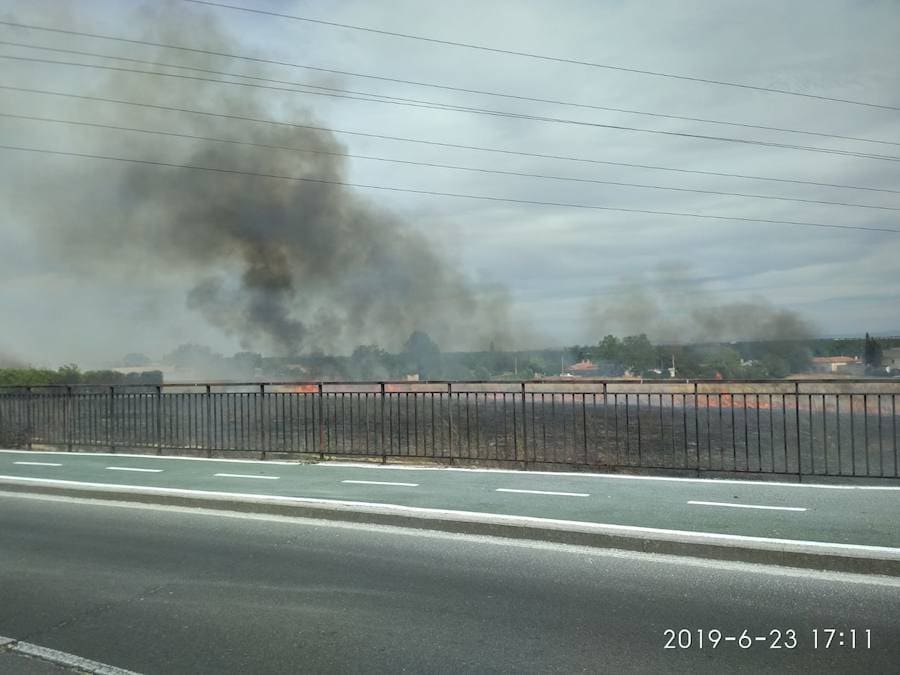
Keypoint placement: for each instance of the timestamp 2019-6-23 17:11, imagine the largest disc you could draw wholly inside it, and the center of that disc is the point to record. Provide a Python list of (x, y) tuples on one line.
[(776, 638)]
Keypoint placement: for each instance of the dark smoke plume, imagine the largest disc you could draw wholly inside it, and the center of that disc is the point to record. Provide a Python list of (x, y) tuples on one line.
[(284, 266), (672, 307)]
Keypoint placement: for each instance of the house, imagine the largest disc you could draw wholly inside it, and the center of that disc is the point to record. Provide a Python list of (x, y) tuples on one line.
[(839, 365), (589, 369), (890, 359)]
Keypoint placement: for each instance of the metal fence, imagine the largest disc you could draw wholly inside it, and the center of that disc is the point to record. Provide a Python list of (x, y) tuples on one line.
[(802, 428)]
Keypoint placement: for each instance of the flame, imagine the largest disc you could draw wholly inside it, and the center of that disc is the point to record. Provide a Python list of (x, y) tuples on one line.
[(304, 389)]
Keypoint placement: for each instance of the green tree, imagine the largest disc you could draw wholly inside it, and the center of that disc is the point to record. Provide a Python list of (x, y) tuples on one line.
[(609, 349), (872, 352), (423, 355), (638, 353), (369, 362)]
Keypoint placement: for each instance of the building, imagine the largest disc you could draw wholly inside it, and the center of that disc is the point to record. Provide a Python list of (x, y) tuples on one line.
[(838, 365), (890, 359), (589, 369)]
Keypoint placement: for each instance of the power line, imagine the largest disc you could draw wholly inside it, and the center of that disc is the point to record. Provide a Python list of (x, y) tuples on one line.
[(404, 139), (435, 193), (454, 167), (544, 57), (414, 103), (417, 83)]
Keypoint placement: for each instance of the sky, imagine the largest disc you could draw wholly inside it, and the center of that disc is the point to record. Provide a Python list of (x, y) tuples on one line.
[(101, 258)]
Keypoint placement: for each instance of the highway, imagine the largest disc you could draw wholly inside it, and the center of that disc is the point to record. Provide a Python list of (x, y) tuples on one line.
[(848, 515), (172, 590)]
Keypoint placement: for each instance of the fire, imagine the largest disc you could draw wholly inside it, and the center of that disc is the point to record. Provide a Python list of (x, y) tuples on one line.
[(304, 389)]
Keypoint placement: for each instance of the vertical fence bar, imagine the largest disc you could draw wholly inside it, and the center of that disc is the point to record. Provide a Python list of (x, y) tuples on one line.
[(158, 419), (28, 415), (321, 408), (381, 413), (263, 413), (67, 421), (110, 416), (797, 422), (449, 421), (697, 427), (525, 425)]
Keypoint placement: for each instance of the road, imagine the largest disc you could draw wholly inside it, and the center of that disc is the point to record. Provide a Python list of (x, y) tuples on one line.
[(859, 515), (172, 590)]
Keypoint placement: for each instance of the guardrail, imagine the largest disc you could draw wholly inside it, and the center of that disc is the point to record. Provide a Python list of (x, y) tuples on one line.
[(800, 428)]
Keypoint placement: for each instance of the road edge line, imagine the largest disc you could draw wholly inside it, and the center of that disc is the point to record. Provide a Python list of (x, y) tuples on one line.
[(59, 658), (730, 548)]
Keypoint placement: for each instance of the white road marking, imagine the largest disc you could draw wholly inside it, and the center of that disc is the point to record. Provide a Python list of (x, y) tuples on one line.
[(544, 492), (612, 476), (749, 506), (38, 463), (132, 468), (772, 543), (243, 475), (68, 660), (398, 530), (378, 482), (269, 462)]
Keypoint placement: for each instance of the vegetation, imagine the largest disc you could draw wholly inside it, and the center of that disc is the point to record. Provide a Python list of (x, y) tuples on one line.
[(422, 356), (71, 374)]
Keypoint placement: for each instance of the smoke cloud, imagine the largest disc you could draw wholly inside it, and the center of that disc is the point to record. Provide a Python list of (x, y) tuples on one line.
[(671, 306), (284, 266)]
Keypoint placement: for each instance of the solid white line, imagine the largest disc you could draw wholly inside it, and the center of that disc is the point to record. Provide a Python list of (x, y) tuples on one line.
[(38, 463), (399, 530), (612, 476), (748, 506), (132, 468), (68, 660), (544, 492), (241, 475), (154, 456), (519, 520), (378, 482)]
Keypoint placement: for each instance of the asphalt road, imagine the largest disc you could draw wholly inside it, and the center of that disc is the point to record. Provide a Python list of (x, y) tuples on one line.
[(862, 515), (162, 590)]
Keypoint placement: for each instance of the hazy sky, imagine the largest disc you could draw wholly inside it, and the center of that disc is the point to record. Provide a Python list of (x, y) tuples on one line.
[(559, 268)]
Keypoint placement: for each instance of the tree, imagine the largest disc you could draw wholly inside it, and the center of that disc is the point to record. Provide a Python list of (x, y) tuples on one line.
[(369, 362), (424, 355), (873, 352), (609, 349), (638, 354)]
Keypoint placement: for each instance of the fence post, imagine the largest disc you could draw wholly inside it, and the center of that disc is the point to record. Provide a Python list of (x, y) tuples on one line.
[(110, 412), (67, 421), (383, 447), (450, 419), (29, 417), (158, 419), (262, 420), (209, 442), (797, 420), (524, 428), (321, 406), (697, 427)]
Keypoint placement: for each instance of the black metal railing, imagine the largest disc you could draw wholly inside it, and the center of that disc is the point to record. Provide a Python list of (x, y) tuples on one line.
[(801, 428)]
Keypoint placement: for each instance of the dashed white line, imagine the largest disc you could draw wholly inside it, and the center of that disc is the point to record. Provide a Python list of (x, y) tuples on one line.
[(544, 492), (749, 506), (38, 463), (243, 475), (132, 468), (379, 482)]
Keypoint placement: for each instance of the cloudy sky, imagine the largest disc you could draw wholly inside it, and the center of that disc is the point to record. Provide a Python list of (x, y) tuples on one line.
[(87, 276)]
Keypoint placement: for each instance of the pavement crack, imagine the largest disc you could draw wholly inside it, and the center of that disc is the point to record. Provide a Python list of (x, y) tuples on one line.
[(97, 610)]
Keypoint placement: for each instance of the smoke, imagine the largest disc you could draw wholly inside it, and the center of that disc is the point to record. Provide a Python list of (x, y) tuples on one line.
[(283, 266), (672, 307)]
